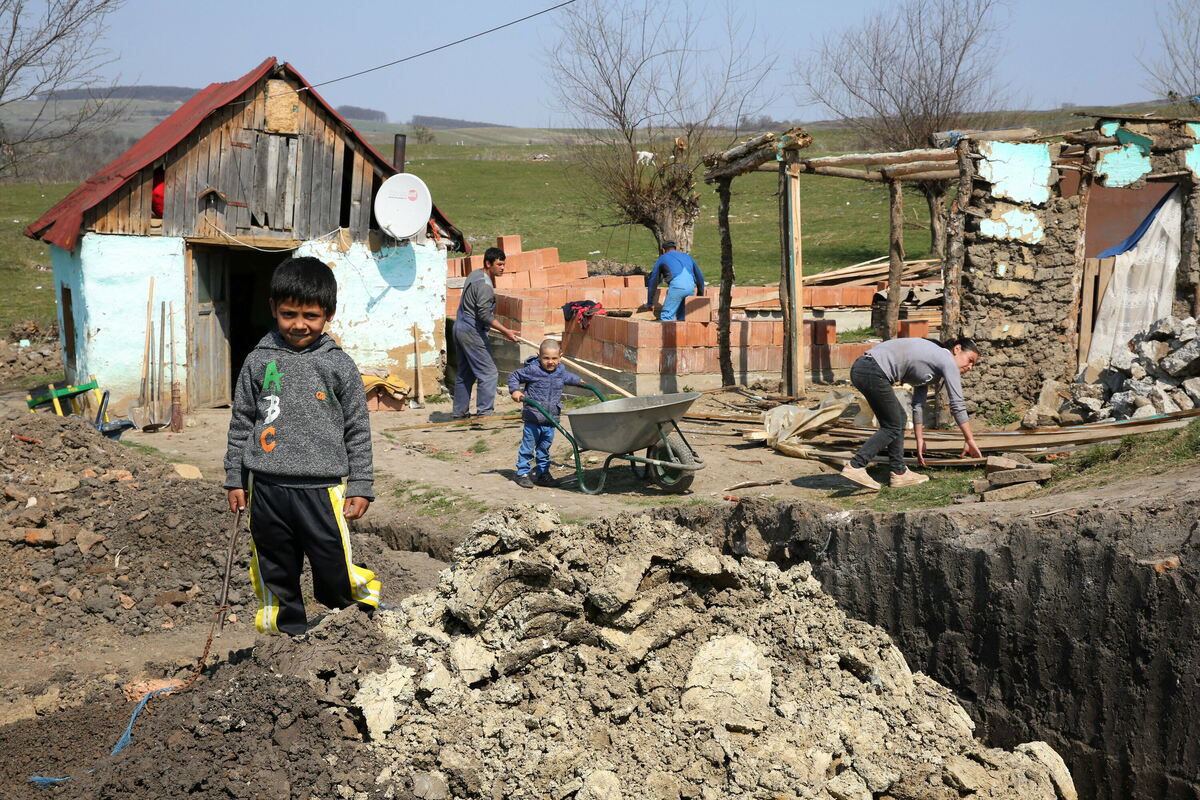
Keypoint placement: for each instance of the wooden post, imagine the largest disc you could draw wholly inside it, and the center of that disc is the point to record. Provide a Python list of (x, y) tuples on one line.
[(952, 266), (896, 259), (796, 355), (724, 350), (785, 260), (1073, 321)]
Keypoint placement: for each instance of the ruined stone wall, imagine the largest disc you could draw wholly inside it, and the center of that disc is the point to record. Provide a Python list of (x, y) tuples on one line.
[(1019, 276)]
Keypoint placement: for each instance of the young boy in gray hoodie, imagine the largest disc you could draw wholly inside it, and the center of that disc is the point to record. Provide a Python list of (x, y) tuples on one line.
[(299, 427)]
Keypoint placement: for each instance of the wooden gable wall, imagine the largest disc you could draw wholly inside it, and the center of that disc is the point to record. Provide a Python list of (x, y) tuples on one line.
[(271, 164)]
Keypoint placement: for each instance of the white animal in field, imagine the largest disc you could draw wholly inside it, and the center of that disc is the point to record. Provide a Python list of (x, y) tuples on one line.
[(644, 158)]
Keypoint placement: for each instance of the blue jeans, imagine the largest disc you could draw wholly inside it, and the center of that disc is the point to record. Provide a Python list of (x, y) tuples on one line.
[(877, 390), (475, 366), (535, 439), (672, 308)]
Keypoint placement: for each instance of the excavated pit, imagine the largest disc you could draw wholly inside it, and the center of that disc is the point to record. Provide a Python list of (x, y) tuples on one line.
[(1077, 627)]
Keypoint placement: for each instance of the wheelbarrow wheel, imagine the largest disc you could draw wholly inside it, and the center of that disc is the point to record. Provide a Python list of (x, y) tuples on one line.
[(667, 478)]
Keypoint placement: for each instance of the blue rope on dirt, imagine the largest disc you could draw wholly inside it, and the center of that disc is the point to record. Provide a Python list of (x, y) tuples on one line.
[(122, 743)]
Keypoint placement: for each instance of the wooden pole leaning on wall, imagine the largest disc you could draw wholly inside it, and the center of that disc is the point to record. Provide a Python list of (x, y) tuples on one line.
[(955, 246), (896, 259), (785, 259), (796, 356), (1074, 322)]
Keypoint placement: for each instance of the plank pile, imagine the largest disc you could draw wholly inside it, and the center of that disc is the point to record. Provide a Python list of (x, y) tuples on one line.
[(1009, 477)]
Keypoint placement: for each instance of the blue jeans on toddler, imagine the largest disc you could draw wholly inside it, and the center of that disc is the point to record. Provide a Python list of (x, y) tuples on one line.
[(535, 439)]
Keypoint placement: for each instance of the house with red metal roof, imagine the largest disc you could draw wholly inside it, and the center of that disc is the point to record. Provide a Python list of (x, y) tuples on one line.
[(190, 222)]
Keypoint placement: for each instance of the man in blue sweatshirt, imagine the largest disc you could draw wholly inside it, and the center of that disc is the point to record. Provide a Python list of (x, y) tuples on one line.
[(299, 455), (543, 377), (683, 279)]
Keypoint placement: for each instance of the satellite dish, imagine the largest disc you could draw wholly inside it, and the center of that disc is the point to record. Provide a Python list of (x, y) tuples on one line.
[(403, 205)]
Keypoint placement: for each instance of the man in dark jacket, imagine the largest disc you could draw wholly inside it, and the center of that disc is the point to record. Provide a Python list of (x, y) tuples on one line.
[(476, 316), (543, 377)]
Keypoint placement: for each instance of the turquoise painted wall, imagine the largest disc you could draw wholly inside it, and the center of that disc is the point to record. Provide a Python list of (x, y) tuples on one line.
[(381, 296), (109, 278), (1121, 166), (1017, 171)]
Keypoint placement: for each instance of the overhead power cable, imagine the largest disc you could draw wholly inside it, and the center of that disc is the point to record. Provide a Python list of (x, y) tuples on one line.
[(445, 46)]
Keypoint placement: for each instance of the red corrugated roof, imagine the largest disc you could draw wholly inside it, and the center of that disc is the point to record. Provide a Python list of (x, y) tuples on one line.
[(61, 225)]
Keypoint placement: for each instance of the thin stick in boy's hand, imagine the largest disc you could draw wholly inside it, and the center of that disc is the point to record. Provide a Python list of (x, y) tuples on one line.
[(233, 536)]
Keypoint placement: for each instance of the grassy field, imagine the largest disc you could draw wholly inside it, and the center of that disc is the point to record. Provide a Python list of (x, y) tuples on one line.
[(26, 292)]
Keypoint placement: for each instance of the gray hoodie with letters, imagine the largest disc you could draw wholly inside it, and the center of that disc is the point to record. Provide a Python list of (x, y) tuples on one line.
[(300, 419)]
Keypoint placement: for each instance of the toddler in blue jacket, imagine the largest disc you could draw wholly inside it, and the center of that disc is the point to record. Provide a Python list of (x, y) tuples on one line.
[(543, 377)]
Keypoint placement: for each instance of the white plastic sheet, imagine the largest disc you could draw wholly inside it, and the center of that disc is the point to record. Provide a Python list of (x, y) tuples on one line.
[(1142, 288)]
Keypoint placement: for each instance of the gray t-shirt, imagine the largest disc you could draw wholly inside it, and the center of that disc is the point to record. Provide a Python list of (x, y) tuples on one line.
[(918, 362), (478, 298)]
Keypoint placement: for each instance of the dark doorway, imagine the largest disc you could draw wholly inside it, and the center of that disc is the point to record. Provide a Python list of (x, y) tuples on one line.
[(231, 314), (249, 313)]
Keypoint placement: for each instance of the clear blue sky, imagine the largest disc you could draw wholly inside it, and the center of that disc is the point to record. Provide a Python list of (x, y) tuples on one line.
[(1060, 52)]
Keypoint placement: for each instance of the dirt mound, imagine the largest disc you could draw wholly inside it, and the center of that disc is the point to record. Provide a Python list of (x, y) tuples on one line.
[(100, 536), (629, 659), (277, 724), (37, 358)]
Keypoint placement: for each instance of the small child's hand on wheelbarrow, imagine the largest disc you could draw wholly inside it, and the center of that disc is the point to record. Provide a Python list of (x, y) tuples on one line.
[(518, 395)]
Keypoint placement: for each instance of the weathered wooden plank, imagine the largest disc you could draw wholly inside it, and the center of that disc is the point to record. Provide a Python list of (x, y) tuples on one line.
[(99, 211), (289, 174), (140, 207), (303, 174), (318, 192), (1087, 308), (358, 227), (335, 189), (185, 203), (171, 171)]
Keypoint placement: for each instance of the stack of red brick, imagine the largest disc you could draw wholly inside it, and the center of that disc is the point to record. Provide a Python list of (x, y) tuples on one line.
[(536, 285), (690, 347)]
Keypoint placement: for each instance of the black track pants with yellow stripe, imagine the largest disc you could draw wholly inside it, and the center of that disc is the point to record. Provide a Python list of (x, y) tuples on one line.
[(285, 526)]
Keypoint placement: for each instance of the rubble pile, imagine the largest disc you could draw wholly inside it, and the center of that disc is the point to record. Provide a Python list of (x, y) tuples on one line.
[(632, 659), (99, 533), (18, 362), (1159, 374), (95, 533)]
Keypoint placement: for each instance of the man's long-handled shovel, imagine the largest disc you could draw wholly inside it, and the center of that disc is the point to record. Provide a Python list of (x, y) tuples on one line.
[(233, 537)]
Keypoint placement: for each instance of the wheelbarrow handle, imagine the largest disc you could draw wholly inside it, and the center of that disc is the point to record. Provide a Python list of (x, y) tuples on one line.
[(599, 394)]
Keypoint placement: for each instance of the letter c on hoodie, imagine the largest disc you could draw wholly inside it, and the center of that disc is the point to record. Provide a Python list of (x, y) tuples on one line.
[(262, 439)]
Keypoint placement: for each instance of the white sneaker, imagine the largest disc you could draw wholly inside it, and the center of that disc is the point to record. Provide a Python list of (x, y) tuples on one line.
[(860, 477), (908, 478)]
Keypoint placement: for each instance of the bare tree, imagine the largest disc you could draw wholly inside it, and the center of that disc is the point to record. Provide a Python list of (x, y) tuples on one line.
[(900, 76), (651, 97), (1176, 73), (48, 46)]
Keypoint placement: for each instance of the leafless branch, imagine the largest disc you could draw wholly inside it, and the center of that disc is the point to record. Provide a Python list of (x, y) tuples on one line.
[(47, 47), (900, 76), (1175, 74), (636, 77)]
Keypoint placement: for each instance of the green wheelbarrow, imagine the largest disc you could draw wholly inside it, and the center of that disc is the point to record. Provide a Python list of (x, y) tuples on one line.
[(624, 426)]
